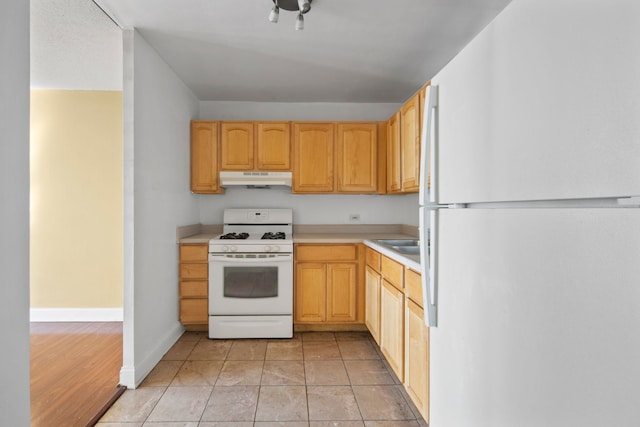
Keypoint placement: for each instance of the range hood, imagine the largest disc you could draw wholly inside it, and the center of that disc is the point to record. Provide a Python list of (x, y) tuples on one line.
[(255, 179)]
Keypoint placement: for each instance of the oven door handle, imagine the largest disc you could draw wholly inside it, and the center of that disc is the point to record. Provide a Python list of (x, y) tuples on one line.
[(244, 260)]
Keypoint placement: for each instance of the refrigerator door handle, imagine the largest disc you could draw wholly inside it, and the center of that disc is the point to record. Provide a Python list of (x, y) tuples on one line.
[(428, 192), (629, 202), (429, 263)]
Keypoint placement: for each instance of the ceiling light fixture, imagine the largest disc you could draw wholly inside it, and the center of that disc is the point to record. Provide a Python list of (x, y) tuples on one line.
[(300, 6), (299, 22), (304, 6), (275, 13)]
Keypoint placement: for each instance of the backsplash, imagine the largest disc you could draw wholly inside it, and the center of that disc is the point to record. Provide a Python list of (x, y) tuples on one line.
[(315, 209)]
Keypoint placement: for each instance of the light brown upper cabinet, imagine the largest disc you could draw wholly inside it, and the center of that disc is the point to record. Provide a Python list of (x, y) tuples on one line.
[(236, 146), (394, 159), (403, 146), (204, 157), (410, 141), (273, 146), (255, 146), (313, 157), (357, 160)]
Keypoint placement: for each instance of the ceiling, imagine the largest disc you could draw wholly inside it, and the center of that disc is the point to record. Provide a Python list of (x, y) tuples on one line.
[(369, 51), (74, 46)]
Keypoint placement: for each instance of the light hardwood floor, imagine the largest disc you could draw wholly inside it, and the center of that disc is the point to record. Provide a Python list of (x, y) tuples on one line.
[(74, 371)]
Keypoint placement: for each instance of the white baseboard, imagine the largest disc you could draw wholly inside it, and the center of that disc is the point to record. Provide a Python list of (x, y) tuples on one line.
[(132, 376), (76, 314)]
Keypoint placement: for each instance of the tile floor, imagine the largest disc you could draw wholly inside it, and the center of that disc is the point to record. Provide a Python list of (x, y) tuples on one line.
[(316, 379)]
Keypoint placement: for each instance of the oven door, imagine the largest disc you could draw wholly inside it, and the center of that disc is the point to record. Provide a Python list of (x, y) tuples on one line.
[(250, 284)]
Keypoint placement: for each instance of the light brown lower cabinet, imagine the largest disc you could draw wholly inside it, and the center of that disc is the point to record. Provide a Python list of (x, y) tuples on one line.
[(326, 283), (372, 304), (392, 327), (395, 318), (310, 292), (416, 377), (194, 286)]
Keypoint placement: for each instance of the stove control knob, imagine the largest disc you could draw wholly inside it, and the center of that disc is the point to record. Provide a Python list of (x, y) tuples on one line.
[(267, 248), (275, 248), (225, 249), (234, 249)]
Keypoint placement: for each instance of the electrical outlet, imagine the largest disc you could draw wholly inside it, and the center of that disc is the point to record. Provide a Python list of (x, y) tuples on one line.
[(354, 217)]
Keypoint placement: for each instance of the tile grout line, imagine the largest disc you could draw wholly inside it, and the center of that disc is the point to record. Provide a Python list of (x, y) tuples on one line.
[(396, 385)]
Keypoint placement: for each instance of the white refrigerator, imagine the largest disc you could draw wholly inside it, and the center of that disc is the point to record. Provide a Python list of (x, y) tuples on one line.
[(531, 227)]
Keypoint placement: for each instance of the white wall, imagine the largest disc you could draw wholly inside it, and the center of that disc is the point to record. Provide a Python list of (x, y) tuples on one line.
[(76, 201), (315, 111), (315, 209), (308, 209), (158, 108), (14, 213), (539, 310)]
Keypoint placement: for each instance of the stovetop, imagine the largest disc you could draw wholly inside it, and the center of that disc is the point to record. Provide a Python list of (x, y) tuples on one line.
[(279, 235), (255, 230)]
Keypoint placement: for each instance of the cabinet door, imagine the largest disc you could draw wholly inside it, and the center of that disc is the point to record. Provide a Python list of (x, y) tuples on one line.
[(372, 303), (204, 157), (394, 156), (323, 253), (236, 146), (373, 259), (416, 377), (392, 327), (341, 292), (413, 286), (194, 288), (194, 253), (410, 141), (392, 271), (357, 160), (313, 151), (310, 292), (273, 146), (194, 270), (194, 311)]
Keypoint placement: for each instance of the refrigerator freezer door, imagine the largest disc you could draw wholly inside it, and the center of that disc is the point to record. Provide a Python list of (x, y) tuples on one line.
[(538, 318), (510, 131)]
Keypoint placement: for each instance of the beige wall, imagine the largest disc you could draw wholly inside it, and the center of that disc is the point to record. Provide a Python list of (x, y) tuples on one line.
[(76, 199)]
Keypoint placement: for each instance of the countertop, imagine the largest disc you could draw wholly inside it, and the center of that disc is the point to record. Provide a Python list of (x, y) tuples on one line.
[(411, 261), (366, 237), (198, 238)]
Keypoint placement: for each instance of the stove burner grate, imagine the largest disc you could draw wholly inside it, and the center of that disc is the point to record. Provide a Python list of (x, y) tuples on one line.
[(234, 236), (273, 236)]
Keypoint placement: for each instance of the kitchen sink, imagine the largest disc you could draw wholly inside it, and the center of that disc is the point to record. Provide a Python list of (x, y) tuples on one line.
[(411, 250), (399, 242), (406, 247)]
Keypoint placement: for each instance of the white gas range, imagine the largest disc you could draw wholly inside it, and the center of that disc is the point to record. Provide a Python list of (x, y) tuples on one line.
[(251, 275)]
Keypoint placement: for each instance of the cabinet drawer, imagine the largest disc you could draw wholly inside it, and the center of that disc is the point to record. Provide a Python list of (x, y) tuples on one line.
[(194, 288), (194, 310), (413, 286), (392, 271), (326, 253), (194, 271), (194, 253), (373, 259)]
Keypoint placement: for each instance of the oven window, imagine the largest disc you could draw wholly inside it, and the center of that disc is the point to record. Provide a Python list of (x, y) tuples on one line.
[(250, 282)]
